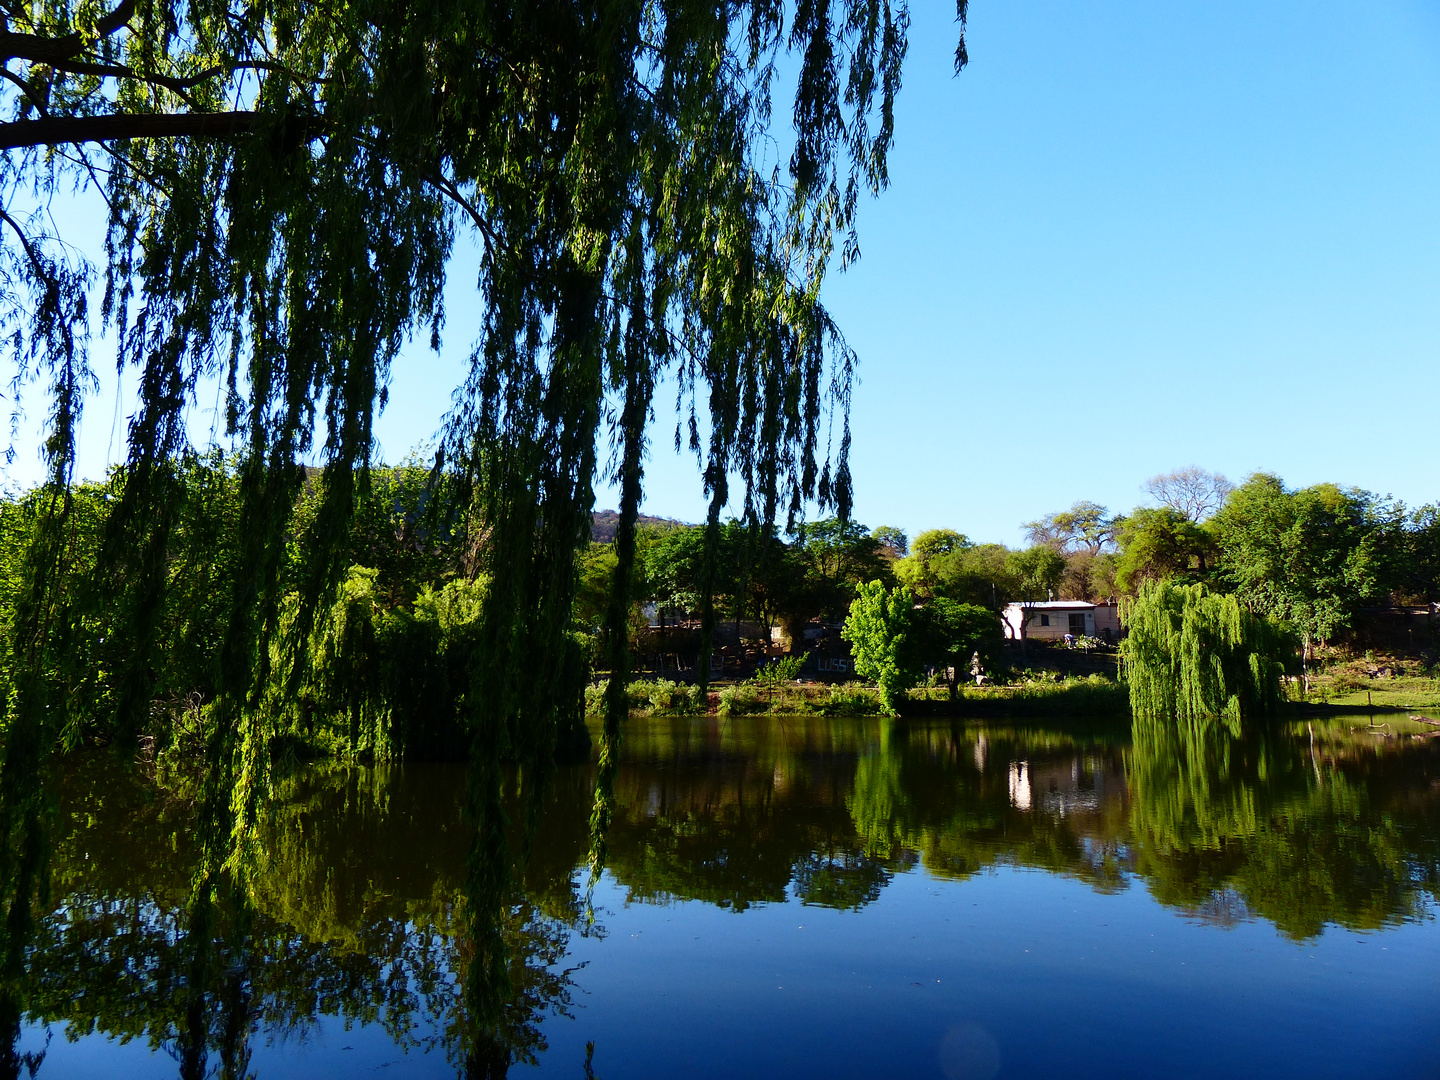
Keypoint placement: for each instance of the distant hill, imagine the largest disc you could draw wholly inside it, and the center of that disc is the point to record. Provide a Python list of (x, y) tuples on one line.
[(603, 524)]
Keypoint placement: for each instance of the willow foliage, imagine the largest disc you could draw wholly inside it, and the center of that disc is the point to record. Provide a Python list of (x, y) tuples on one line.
[(1195, 658), (285, 184)]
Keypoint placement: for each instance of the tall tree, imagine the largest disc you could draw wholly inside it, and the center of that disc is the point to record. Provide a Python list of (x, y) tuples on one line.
[(1191, 492), (285, 184), (1310, 557), (1086, 526)]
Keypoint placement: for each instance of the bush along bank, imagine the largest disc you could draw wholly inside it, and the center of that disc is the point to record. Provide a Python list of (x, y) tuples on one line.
[(1092, 696)]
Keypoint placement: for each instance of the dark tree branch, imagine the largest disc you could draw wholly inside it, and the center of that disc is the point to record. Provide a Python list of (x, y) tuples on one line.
[(54, 50), (55, 130), (37, 49), (176, 83), (28, 90), (116, 19)]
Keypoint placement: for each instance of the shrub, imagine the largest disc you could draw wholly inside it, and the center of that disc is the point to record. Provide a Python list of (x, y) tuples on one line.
[(782, 669), (853, 699), (595, 700), (740, 700), (669, 698)]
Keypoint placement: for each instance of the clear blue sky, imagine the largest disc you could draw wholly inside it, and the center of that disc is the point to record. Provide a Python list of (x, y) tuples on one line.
[(1136, 236), (1128, 237)]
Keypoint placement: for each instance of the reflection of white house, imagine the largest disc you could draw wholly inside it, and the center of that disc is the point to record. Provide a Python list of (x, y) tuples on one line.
[(1053, 619), (1020, 785)]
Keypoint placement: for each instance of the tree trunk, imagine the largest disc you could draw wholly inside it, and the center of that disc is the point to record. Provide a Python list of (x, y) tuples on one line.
[(1305, 668), (718, 498)]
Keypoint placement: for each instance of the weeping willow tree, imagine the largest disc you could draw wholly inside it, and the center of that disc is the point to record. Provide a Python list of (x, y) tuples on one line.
[(1196, 658), (285, 183)]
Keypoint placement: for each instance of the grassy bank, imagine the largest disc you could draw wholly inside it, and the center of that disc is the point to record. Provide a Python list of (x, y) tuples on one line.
[(1378, 681), (1092, 696)]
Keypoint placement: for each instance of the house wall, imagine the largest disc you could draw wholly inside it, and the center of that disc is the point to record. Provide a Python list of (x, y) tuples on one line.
[(1058, 620), (1107, 617)]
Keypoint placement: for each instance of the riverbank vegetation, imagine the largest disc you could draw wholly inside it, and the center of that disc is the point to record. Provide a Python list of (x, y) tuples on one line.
[(383, 667)]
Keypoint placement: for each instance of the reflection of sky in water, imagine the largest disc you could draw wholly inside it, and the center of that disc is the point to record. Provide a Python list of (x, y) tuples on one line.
[(1028, 971), (1009, 973)]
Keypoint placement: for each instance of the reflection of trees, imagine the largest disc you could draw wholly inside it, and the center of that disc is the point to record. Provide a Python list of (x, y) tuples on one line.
[(949, 797), (1221, 828), (354, 911), (826, 813), (1299, 834), (360, 898)]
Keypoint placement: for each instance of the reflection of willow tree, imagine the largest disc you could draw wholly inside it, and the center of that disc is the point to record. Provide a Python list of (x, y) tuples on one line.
[(1302, 838), (356, 909)]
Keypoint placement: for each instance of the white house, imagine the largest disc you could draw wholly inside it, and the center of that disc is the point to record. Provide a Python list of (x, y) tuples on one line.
[(1053, 619)]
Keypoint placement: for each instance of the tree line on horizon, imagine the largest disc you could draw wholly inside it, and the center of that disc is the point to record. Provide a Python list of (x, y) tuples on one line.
[(1311, 557), (384, 668)]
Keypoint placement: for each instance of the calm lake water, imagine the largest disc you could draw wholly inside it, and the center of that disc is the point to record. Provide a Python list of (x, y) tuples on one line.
[(782, 897)]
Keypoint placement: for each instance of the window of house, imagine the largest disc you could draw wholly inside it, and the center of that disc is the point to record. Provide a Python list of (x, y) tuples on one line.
[(1077, 623), (1044, 620)]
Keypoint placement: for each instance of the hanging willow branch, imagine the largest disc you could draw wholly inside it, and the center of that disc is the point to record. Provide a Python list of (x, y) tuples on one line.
[(1195, 658), (285, 184)]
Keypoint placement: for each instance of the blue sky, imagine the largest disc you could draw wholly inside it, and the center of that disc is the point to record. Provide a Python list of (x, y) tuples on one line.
[(1136, 236), (1128, 237)]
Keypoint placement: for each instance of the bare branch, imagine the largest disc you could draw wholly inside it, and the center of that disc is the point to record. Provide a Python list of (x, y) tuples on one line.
[(34, 256)]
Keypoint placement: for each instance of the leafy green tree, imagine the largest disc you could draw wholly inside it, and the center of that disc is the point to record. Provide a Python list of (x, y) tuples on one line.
[(1034, 574), (1086, 526), (976, 574), (878, 629), (947, 634), (1156, 544), (1310, 557), (1416, 557), (673, 564), (835, 558), (1195, 658), (922, 569)]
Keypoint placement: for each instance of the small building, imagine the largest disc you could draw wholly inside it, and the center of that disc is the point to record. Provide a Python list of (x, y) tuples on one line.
[(1051, 620)]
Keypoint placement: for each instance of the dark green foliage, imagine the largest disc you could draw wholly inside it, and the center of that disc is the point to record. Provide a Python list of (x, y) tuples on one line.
[(386, 661), (1310, 557), (947, 635)]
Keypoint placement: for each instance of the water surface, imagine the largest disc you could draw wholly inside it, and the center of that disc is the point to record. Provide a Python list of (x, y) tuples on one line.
[(781, 897)]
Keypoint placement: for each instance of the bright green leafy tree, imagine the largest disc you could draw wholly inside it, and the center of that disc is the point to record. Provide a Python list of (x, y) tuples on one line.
[(877, 629), (1310, 557)]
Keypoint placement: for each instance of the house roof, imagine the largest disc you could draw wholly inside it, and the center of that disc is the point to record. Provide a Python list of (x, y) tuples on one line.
[(1051, 605)]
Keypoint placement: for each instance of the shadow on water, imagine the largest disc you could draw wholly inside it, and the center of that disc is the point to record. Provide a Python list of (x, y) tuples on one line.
[(366, 898)]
